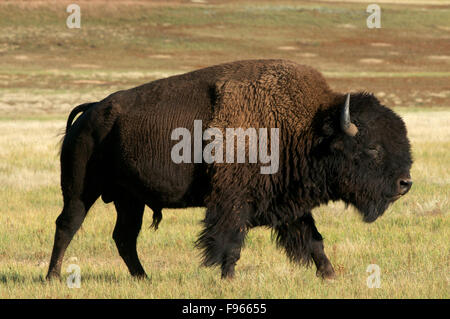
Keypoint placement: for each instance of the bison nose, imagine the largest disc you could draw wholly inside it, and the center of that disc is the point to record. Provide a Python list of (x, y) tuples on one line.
[(404, 185)]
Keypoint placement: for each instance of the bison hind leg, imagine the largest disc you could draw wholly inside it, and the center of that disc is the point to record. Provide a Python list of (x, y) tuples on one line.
[(128, 225), (67, 224)]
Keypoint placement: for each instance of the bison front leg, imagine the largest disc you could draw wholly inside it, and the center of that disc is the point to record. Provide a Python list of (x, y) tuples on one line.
[(222, 240), (302, 242), (232, 245), (324, 268)]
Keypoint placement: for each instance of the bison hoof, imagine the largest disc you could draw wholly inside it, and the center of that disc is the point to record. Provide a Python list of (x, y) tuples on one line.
[(326, 272), (227, 277), (52, 275), (140, 276), (229, 274)]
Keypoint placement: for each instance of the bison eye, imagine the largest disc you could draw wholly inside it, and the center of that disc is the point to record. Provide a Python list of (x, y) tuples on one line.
[(374, 151)]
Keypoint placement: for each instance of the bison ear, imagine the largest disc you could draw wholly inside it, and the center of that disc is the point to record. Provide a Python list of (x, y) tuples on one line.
[(346, 124)]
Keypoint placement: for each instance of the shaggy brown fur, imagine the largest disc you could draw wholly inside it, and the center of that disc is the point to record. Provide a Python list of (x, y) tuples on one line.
[(120, 147)]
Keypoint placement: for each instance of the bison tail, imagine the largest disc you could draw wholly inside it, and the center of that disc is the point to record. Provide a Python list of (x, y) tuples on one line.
[(75, 111)]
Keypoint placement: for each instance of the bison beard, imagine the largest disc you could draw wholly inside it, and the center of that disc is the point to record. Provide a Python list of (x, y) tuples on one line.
[(119, 149)]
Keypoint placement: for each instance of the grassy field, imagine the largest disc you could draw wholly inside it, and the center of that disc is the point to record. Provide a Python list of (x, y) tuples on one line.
[(46, 69)]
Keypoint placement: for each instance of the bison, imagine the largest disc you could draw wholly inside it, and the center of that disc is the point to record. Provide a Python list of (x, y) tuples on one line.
[(332, 147)]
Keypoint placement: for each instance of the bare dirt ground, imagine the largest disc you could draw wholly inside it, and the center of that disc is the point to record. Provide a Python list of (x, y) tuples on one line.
[(47, 68)]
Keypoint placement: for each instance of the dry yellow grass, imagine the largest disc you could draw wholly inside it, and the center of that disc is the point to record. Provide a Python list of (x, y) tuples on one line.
[(47, 69), (410, 243)]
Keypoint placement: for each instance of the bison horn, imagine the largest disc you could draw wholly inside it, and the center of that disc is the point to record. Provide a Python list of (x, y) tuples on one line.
[(346, 124)]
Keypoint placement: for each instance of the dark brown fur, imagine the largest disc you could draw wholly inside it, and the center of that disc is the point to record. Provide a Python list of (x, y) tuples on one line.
[(119, 148)]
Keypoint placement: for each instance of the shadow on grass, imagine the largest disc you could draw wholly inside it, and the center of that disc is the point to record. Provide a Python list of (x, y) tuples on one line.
[(100, 277), (20, 279)]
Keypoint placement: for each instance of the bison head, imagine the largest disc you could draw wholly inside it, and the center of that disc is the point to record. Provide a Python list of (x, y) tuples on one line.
[(369, 154)]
